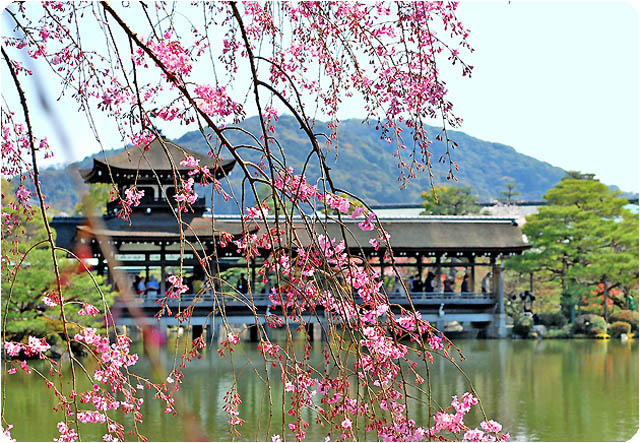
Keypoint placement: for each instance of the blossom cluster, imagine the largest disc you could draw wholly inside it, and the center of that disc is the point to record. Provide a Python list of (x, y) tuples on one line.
[(132, 198), (34, 347), (185, 195)]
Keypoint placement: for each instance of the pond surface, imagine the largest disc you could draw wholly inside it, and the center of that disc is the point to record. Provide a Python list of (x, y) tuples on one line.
[(553, 390)]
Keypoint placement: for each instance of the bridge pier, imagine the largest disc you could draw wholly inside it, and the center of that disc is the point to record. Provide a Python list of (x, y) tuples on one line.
[(309, 329), (196, 331), (211, 332), (317, 330), (498, 328), (253, 333), (133, 333)]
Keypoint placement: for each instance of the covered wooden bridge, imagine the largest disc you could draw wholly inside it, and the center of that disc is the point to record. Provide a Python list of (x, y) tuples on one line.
[(150, 244)]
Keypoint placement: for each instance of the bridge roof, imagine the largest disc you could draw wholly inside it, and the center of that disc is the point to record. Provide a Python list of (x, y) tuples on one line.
[(161, 157), (419, 234), (442, 234)]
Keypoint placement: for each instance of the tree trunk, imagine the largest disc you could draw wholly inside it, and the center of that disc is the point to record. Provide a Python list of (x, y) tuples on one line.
[(605, 293), (531, 282)]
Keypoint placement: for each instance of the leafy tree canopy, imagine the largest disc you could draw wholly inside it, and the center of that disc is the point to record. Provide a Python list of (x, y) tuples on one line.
[(27, 277), (23, 225), (94, 201), (28, 314), (584, 238), (450, 200)]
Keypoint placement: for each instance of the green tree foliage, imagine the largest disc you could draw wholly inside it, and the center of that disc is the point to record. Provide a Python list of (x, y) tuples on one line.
[(585, 239), (28, 275), (449, 200), (22, 297), (266, 196), (21, 227), (94, 202), (508, 196)]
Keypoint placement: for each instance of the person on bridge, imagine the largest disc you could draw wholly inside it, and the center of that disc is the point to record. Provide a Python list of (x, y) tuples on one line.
[(153, 286), (142, 288), (464, 286), (486, 283), (448, 285), (437, 280), (243, 285), (428, 282), (416, 284)]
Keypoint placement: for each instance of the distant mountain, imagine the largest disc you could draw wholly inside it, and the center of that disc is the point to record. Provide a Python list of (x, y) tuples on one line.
[(364, 165)]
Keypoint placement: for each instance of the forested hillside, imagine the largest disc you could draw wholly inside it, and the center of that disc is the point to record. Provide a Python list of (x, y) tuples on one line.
[(364, 164)]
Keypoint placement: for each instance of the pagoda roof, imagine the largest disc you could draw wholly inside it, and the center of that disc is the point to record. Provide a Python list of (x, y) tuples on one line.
[(160, 156)]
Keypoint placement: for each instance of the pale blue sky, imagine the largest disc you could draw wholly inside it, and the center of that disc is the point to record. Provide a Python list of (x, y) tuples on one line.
[(557, 81)]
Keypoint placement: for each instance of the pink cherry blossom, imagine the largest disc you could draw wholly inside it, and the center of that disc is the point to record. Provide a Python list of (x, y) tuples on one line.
[(88, 310), (233, 339), (491, 426), (367, 224), (66, 434), (13, 348), (190, 161), (177, 286)]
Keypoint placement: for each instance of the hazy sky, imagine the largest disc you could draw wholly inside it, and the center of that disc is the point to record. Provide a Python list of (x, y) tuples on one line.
[(557, 81)]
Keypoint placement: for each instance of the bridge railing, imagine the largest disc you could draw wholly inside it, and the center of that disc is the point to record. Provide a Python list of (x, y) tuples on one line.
[(231, 299), (442, 297), (206, 298)]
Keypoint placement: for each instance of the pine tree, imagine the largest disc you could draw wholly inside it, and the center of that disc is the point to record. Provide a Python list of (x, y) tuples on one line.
[(509, 194), (584, 239)]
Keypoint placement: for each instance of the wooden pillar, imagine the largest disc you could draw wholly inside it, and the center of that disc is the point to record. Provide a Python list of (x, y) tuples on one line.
[(110, 277), (101, 265), (163, 269), (472, 277), (146, 267), (501, 288), (253, 275), (382, 265), (492, 262), (438, 278), (324, 331), (419, 261)]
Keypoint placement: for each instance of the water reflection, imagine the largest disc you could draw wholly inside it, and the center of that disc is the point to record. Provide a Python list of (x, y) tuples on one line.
[(553, 390)]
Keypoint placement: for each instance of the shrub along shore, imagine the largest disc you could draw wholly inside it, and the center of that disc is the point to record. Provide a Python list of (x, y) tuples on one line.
[(555, 325)]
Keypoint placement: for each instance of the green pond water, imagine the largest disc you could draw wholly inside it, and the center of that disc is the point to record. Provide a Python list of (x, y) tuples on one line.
[(553, 390)]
